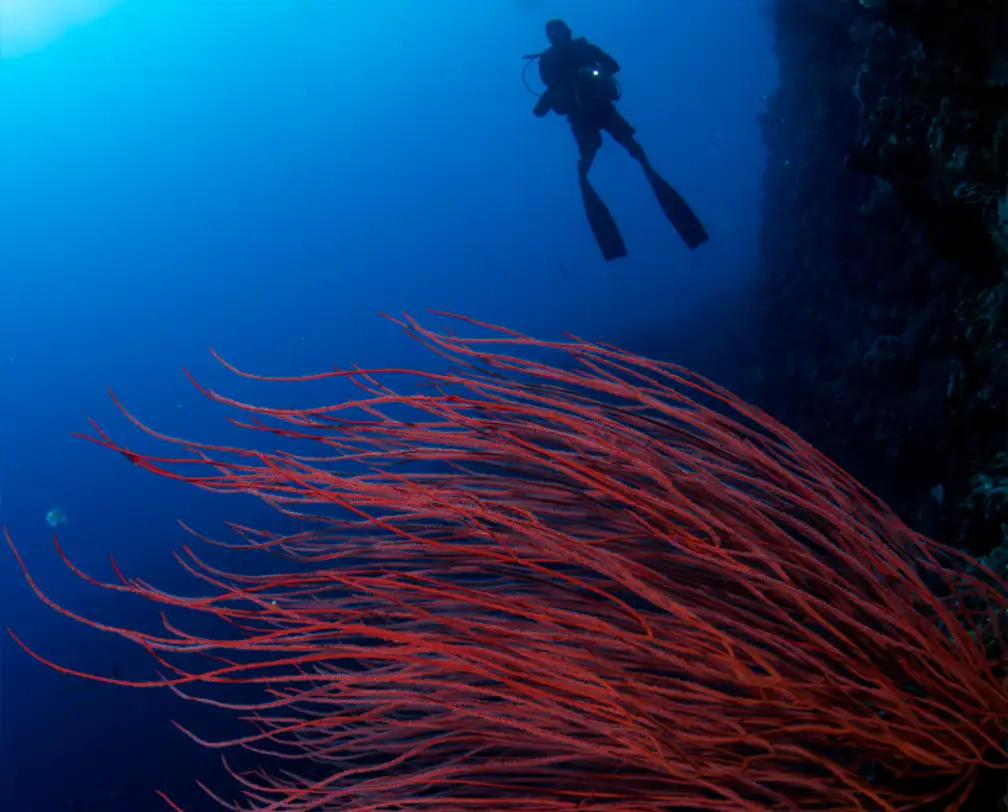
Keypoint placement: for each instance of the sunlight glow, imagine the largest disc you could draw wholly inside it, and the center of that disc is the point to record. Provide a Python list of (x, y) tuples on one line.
[(30, 25)]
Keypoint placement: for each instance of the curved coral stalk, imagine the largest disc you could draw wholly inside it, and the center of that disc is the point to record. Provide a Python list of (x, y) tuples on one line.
[(611, 585)]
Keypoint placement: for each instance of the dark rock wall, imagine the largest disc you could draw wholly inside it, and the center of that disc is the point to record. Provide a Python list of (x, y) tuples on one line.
[(882, 284)]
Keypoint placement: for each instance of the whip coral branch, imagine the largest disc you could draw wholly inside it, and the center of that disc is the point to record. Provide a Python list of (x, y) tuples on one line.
[(606, 585)]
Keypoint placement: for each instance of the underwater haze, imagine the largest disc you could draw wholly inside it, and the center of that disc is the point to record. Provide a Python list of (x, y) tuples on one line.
[(265, 178)]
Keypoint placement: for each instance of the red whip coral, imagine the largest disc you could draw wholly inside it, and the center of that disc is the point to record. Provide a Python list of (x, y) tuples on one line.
[(608, 586)]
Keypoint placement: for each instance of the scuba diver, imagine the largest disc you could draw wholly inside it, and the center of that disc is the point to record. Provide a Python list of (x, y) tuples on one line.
[(580, 85)]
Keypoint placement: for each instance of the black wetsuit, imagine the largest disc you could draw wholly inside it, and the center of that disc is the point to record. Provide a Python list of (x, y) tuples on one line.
[(560, 68), (579, 85)]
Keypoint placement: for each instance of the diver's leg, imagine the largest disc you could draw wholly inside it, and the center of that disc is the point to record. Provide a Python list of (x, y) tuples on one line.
[(624, 134), (678, 212), (589, 141), (601, 222), (636, 151)]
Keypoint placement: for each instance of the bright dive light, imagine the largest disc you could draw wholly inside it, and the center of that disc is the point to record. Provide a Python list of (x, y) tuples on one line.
[(30, 25)]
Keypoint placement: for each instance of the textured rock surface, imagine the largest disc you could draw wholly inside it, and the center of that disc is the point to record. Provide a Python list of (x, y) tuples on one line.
[(882, 284)]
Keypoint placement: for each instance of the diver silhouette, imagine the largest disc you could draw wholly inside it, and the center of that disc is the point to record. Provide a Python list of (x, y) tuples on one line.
[(580, 84)]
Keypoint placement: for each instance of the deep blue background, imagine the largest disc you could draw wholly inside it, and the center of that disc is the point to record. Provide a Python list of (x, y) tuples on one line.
[(264, 177)]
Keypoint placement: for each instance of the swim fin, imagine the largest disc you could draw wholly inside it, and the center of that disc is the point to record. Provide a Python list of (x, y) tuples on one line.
[(678, 212), (602, 224)]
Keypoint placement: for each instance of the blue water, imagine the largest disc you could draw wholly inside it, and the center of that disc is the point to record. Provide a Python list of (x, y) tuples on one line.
[(263, 178)]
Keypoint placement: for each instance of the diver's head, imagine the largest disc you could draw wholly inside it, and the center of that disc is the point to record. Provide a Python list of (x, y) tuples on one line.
[(558, 32)]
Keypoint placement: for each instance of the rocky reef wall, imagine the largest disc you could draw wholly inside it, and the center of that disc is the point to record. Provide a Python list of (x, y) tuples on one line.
[(883, 281)]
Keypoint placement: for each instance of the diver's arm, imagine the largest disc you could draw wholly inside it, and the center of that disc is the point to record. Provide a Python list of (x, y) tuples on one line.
[(547, 68), (607, 62), (547, 74), (544, 105)]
